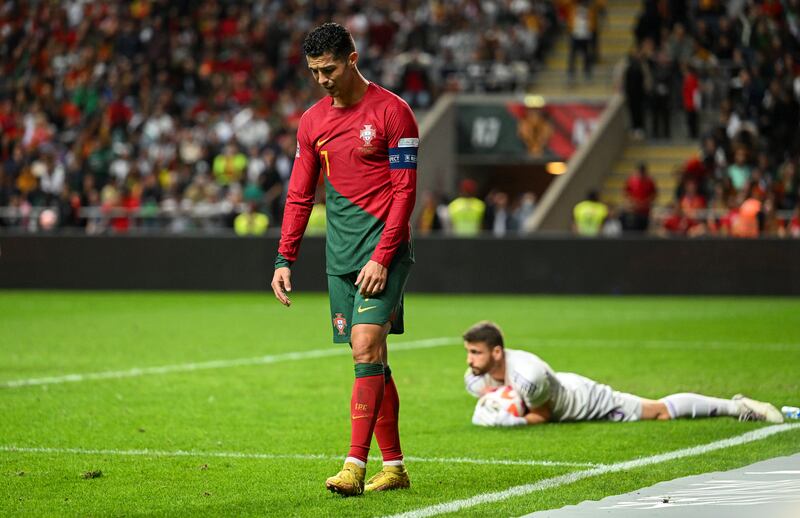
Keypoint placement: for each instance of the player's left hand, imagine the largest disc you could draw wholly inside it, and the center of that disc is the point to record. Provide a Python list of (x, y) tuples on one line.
[(371, 279)]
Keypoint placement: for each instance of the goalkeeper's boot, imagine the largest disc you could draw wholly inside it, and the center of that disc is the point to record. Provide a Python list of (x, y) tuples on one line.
[(752, 410), (348, 482), (388, 478)]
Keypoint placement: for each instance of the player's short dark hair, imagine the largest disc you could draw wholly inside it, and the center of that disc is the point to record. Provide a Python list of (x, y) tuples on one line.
[(484, 331), (329, 37)]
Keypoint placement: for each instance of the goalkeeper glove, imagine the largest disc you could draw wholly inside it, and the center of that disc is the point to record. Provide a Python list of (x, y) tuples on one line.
[(506, 419)]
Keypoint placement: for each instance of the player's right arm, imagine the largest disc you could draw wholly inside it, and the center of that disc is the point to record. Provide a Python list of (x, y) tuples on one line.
[(531, 379), (299, 202), (539, 415)]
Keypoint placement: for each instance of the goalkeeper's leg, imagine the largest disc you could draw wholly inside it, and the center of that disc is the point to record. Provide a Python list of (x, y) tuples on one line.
[(694, 406)]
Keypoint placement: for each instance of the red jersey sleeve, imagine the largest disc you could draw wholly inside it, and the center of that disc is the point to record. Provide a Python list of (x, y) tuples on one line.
[(300, 197), (402, 136)]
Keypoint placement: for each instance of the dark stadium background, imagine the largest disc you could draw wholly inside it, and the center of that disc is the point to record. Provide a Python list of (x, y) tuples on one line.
[(139, 130)]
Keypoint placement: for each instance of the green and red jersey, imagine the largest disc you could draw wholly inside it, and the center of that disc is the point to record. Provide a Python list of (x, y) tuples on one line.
[(367, 156)]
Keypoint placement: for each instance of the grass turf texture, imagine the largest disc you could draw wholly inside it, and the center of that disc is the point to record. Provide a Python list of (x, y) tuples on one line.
[(648, 346)]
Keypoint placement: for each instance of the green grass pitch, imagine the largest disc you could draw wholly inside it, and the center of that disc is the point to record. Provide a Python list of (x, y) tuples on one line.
[(648, 346)]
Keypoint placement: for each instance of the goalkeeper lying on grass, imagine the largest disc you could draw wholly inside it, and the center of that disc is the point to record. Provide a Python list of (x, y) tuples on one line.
[(562, 396)]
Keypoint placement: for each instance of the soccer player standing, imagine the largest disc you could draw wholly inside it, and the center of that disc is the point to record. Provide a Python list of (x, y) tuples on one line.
[(362, 140)]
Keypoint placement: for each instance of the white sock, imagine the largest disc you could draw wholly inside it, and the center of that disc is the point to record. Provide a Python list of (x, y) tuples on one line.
[(357, 462), (697, 405), (393, 462)]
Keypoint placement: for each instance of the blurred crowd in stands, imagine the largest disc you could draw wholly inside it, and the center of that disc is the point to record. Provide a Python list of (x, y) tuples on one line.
[(176, 115), (733, 68), (499, 213), (181, 115)]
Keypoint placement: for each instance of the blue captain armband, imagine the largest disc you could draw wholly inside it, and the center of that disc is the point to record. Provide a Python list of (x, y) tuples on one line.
[(405, 156)]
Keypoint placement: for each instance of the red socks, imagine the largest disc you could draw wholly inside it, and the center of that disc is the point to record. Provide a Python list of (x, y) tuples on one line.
[(365, 404), (387, 431), (374, 407)]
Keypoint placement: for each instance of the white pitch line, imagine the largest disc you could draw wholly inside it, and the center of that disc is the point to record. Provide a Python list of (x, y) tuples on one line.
[(569, 478), (662, 344), (285, 456), (219, 364), (400, 346), (502, 462)]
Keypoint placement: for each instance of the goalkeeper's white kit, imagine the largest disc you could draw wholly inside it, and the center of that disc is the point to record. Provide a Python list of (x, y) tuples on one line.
[(571, 397)]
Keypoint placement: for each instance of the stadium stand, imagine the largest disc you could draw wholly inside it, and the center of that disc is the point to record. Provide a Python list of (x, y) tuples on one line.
[(177, 115), (151, 116), (731, 69)]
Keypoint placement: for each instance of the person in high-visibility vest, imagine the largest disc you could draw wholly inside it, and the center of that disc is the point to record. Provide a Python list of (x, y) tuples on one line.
[(250, 222), (466, 212), (589, 215), (317, 221)]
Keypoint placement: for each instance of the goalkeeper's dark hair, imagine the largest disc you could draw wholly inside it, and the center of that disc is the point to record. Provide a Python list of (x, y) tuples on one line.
[(329, 37), (484, 331)]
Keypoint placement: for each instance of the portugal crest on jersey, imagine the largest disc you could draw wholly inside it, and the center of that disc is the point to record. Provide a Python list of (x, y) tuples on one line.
[(340, 323), (367, 133)]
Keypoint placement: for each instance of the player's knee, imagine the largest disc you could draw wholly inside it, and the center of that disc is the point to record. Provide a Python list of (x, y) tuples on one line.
[(368, 342), (366, 350), (652, 409), (366, 356)]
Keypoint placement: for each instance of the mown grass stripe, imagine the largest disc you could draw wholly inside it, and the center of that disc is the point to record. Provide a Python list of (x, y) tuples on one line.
[(218, 364), (400, 346)]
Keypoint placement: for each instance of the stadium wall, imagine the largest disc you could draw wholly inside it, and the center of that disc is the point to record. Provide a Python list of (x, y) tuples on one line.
[(586, 170), (447, 265), (437, 156)]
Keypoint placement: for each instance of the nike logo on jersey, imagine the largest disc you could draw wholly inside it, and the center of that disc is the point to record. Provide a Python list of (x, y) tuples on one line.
[(321, 141), (361, 310)]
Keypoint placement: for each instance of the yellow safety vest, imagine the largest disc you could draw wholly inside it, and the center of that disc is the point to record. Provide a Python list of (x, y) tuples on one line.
[(589, 217), (253, 224), (317, 221), (466, 216)]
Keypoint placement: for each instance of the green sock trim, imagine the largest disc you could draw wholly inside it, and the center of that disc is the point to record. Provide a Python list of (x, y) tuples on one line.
[(368, 369), (387, 373)]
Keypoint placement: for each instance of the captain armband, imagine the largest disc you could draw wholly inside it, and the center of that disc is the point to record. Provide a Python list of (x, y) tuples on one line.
[(404, 156)]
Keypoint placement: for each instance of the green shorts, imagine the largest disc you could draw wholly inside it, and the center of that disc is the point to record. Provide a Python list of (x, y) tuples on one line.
[(348, 307)]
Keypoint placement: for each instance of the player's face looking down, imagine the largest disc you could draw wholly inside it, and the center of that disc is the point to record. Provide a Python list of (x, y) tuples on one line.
[(481, 357), (335, 76)]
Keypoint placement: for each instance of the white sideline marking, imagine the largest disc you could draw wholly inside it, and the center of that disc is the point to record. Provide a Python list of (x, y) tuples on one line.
[(569, 478), (502, 462), (662, 344), (219, 364), (291, 456), (780, 472)]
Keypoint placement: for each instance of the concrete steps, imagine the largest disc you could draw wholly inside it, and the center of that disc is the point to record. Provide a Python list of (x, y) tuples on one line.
[(616, 39), (616, 47), (659, 151), (617, 199), (663, 160), (618, 182), (592, 90), (655, 166)]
